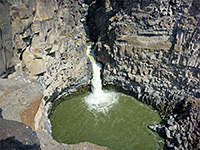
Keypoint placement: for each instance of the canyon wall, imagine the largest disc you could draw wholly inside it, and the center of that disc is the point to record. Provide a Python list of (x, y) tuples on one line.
[(149, 48), (44, 40), (42, 56), (6, 51)]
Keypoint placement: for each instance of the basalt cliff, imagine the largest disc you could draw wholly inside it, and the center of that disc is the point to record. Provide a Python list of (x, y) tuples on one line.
[(149, 49)]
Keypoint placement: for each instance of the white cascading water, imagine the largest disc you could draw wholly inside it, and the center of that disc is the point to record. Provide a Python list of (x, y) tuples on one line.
[(98, 100)]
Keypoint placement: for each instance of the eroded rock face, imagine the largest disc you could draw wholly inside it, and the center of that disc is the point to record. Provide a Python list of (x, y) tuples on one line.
[(183, 127), (6, 50), (45, 39), (150, 46), (150, 49)]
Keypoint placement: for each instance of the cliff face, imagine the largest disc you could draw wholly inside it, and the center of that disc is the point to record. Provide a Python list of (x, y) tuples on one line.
[(40, 41), (150, 48), (46, 40), (6, 52)]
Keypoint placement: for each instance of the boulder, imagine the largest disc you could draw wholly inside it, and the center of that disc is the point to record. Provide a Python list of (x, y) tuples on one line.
[(16, 135), (20, 99)]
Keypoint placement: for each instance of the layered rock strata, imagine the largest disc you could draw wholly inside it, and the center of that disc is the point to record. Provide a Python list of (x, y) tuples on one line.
[(151, 50)]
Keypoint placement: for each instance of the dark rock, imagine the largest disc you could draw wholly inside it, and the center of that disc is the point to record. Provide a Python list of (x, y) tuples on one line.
[(6, 49), (189, 136), (166, 70), (16, 135), (1, 113)]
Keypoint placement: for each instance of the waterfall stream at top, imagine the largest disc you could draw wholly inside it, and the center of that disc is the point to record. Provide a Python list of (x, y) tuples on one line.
[(98, 100)]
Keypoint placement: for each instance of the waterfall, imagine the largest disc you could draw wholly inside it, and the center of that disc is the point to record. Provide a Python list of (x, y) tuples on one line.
[(98, 100), (96, 67)]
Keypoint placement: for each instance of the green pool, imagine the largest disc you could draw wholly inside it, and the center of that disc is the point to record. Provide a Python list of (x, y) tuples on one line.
[(121, 127)]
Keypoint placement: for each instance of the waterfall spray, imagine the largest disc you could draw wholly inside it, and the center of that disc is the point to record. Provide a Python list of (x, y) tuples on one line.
[(98, 100)]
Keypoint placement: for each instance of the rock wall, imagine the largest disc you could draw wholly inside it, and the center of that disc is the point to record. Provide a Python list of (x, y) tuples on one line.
[(151, 49), (40, 41), (6, 51), (44, 39)]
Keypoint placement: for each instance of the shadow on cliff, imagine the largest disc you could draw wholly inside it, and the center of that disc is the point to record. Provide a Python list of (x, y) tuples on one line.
[(17, 136), (11, 143), (97, 27)]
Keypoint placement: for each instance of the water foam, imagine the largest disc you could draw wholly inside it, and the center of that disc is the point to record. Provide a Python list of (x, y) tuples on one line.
[(99, 100)]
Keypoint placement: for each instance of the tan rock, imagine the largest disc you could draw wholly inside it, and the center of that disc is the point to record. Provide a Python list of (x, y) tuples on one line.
[(24, 12), (35, 27), (152, 43), (27, 57), (36, 42), (19, 44), (20, 99), (150, 23), (36, 66), (17, 26), (45, 9), (28, 115), (33, 62)]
